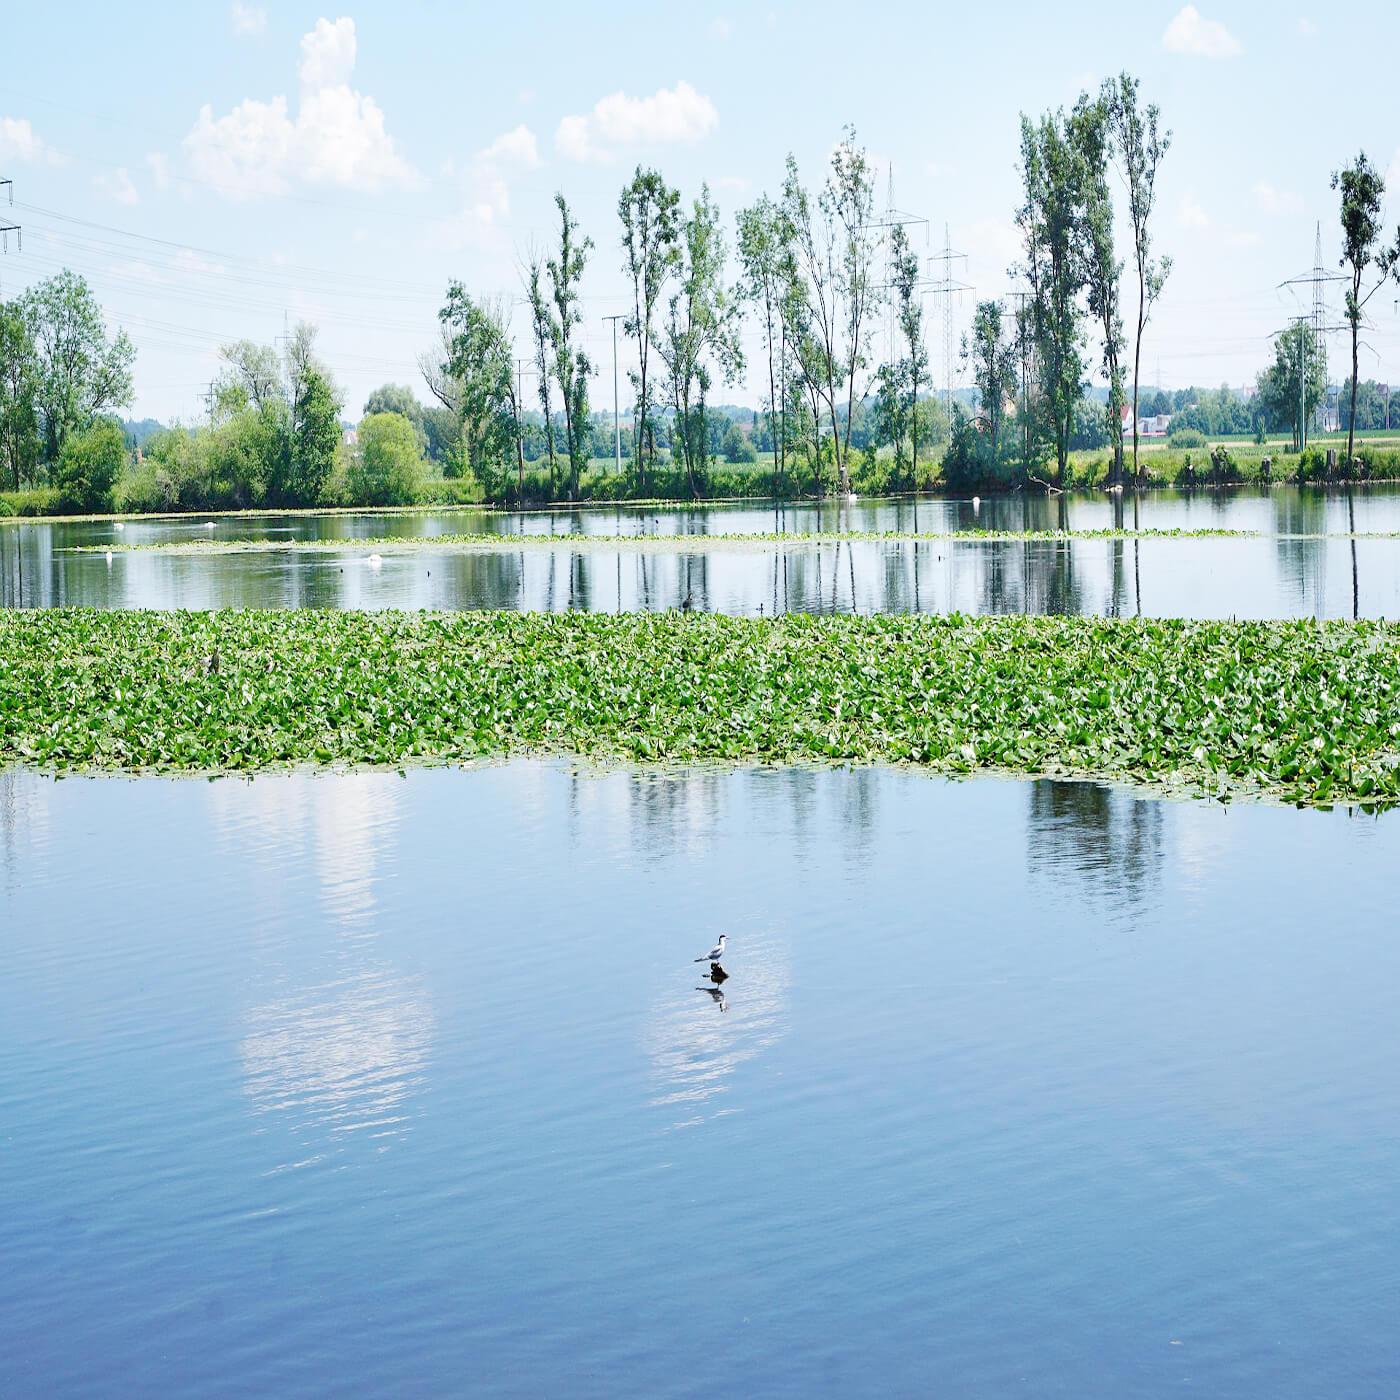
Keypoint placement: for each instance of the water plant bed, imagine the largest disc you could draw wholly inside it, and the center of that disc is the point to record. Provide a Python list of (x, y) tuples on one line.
[(1299, 711), (682, 543)]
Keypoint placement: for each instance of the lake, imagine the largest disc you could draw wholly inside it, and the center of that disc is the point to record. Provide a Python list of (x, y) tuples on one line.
[(1287, 572), (358, 1083)]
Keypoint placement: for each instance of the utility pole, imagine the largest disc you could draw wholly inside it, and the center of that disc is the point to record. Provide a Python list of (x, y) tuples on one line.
[(1317, 279), (617, 422)]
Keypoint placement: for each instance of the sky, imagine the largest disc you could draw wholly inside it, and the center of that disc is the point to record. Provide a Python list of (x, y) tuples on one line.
[(218, 170)]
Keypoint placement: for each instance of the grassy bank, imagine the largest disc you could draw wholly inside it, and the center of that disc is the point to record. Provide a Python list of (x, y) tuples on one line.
[(1295, 710), (508, 543)]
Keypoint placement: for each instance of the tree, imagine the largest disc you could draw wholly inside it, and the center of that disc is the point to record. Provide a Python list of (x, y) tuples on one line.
[(835, 249), (315, 435), (19, 384), (254, 369), (701, 331), (89, 464), (993, 360), (480, 363), (80, 372), (650, 214), (571, 364), (386, 466), (1363, 190), (1139, 147), (543, 336), (765, 255), (1290, 390), (897, 401), (1051, 220), (1102, 269)]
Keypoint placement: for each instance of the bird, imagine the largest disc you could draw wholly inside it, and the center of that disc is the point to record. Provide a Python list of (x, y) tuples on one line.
[(120, 526), (208, 524), (717, 952), (374, 561)]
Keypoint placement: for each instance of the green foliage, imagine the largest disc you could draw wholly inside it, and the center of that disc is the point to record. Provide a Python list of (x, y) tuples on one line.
[(1185, 437), (78, 372), (479, 363), (89, 465), (571, 363), (993, 360), (1296, 710), (1290, 390), (315, 436), (385, 467), (19, 388)]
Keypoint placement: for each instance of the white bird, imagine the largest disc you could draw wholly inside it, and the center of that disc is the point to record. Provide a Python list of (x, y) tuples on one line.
[(717, 952), (120, 526), (109, 556), (976, 502), (374, 561)]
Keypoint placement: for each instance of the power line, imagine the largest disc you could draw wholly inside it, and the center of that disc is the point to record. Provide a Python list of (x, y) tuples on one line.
[(947, 286)]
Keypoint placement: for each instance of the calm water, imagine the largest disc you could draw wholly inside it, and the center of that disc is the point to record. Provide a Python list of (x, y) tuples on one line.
[(1274, 576), (361, 1085)]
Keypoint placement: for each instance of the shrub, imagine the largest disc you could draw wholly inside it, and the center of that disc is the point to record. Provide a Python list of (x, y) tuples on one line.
[(1186, 437), (89, 465), (385, 469)]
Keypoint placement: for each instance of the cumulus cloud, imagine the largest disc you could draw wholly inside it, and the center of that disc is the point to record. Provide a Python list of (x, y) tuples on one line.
[(249, 21), (487, 205), (1192, 215), (336, 137), (1192, 33), (20, 142), (1273, 200), (117, 186), (670, 116)]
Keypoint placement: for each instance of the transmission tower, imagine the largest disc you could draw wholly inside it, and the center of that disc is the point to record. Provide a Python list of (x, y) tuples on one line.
[(7, 228), (1318, 320), (947, 286), (894, 217)]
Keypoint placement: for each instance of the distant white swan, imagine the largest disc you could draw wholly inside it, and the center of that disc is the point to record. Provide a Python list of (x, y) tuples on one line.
[(109, 556), (208, 524), (120, 526), (374, 561), (977, 503)]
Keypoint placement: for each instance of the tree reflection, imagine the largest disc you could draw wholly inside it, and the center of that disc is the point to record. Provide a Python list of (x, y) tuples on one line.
[(1103, 838)]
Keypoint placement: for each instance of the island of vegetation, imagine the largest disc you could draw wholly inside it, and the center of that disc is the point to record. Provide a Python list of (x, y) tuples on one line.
[(1297, 711)]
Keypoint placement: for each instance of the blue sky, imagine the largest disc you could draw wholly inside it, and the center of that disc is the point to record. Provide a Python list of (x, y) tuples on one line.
[(210, 168)]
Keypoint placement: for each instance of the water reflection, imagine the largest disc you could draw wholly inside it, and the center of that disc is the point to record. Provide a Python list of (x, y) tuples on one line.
[(337, 1039), (1268, 577)]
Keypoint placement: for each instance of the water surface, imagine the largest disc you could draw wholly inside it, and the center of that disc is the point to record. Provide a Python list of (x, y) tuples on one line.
[(359, 1084), (1288, 572)]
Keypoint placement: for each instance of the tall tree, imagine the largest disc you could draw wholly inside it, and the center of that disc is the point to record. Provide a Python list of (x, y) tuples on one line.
[(700, 335), (542, 338), (254, 369), (80, 372), (765, 255), (650, 214), (1364, 247), (1290, 390), (835, 246), (315, 434), (571, 363), (1139, 146), (19, 385), (993, 359), (479, 362), (897, 399), (1051, 221), (1103, 270)]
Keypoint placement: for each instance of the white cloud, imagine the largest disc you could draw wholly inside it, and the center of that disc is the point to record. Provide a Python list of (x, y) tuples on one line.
[(159, 166), (20, 142), (670, 116), (249, 21), (517, 147), (1191, 33), (117, 186), (1191, 215), (1276, 201), (337, 136), (327, 54)]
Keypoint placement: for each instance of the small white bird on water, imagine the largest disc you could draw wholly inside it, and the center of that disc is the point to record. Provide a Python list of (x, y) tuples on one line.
[(717, 952)]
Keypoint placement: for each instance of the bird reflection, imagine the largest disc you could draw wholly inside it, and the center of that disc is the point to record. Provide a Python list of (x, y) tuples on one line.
[(716, 994)]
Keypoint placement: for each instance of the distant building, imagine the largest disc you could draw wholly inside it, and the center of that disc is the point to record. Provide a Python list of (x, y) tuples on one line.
[(1155, 426)]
